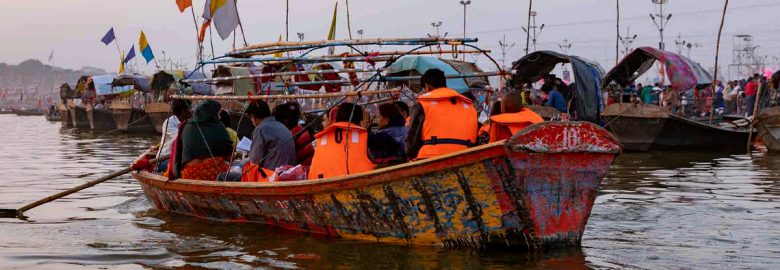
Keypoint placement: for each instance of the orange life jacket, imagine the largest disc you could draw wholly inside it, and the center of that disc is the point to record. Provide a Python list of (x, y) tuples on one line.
[(450, 123), (331, 153), (505, 125), (255, 173)]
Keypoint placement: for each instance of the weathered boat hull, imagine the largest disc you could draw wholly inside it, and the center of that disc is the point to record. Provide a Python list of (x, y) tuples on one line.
[(683, 134), (129, 119), (635, 125), (768, 128), (533, 191), (101, 119), (64, 115), (157, 113), (27, 112), (78, 115)]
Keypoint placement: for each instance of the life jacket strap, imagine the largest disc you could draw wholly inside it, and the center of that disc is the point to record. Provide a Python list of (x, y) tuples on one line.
[(434, 141)]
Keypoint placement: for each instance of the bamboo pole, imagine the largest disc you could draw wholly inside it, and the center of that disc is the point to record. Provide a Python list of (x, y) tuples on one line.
[(717, 52), (329, 58), (268, 97), (331, 82), (284, 46)]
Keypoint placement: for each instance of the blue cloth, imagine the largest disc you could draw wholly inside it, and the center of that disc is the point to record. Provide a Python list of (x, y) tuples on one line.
[(109, 37), (147, 53), (103, 85), (555, 99)]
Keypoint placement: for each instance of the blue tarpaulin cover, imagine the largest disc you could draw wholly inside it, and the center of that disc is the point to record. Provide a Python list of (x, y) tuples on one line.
[(421, 64), (103, 85)]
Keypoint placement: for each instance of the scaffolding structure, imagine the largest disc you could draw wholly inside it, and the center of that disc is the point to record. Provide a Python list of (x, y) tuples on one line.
[(744, 60)]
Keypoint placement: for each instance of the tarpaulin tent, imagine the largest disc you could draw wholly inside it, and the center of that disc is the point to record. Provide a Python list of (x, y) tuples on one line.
[(416, 65), (683, 73), (169, 80), (103, 85), (138, 82), (587, 75)]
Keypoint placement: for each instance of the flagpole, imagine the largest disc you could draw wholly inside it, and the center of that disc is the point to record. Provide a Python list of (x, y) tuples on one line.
[(240, 25), (199, 49), (286, 21), (349, 27), (118, 50)]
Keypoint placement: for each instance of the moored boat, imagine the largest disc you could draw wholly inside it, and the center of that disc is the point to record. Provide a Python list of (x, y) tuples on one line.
[(28, 112), (78, 115), (636, 125), (767, 125), (533, 191)]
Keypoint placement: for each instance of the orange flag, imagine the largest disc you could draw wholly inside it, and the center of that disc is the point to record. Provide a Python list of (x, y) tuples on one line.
[(183, 4)]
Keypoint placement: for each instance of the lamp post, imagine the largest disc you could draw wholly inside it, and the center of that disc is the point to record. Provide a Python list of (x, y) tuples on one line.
[(465, 4), (534, 28), (662, 20), (300, 36)]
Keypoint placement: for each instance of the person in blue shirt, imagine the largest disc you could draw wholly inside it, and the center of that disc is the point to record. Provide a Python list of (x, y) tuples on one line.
[(554, 98)]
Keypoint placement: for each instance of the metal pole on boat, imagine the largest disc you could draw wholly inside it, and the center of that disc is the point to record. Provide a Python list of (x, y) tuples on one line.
[(527, 26), (617, 38), (465, 4), (715, 80)]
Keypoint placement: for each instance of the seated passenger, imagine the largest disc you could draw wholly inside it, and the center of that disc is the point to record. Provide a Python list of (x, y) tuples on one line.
[(289, 114), (512, 119), (170, 129), (272, 144), (443, 121), (555, 98), (387, 144), (404, 110), (224, 117), (342, 148), (203, 147), (483, 136)]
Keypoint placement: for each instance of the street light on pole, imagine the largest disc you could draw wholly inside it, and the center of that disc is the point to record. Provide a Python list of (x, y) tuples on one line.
[(465, 4), (662, 20)]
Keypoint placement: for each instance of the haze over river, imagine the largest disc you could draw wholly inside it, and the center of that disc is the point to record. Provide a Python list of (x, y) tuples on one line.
[(655, 211)]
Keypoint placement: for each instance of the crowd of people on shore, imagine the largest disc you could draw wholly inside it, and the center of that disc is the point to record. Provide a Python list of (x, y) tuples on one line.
[(202, 146), (736, 97)]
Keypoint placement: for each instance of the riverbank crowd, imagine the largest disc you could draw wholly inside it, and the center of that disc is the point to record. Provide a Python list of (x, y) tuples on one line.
[(201, 146)]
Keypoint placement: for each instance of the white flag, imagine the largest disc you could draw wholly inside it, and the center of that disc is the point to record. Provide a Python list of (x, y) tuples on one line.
[(223, 15)]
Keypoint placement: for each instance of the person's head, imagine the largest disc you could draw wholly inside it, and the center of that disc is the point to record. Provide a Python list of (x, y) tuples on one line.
[(657, 85), (207, 111), (349, 112), (495, 109), (433, 79), (755, 76), (288, 114), (512, 103), (469, 95), (224, 117), (403, 108), (390, 116), (546, 88), (259, 110)]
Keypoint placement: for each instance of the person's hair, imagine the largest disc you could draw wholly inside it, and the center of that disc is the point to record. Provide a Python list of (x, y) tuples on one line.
[(288, 113), (224, 117), (495, 109), (434, 77), (179, 106), (349, 112), (469, 95), (258, 109), (546, 88), (512, 103), (402, 106), (393, 114), (755, 75)]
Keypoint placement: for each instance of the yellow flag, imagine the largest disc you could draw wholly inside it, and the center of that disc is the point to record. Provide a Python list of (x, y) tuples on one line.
[(332, 31), (279, 54), (122, 63)]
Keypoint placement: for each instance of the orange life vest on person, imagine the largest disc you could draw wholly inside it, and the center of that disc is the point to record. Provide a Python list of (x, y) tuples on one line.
[(450, 123), (255, 173), (505, 125), (330, 152)]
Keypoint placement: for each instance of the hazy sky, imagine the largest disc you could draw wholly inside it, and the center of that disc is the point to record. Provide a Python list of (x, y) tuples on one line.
[(73, 28)]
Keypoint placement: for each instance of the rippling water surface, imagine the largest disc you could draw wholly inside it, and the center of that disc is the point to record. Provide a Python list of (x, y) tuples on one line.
[(655, 211)]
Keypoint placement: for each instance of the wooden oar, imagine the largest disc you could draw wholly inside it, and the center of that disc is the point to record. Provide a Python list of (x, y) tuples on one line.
[(18, 213)]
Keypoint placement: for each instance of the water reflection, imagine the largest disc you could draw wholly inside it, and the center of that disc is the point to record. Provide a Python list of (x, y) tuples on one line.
[(656, 210)]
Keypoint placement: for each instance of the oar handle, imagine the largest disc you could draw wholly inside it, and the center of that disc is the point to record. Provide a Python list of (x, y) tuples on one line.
[(82, 187)]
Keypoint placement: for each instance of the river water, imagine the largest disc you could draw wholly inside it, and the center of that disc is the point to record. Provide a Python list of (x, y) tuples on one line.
[(655, 211)]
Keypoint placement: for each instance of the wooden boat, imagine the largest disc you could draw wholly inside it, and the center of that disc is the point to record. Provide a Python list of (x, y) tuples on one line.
[(680, 133), (157, 113), (78, 115), (636, 125), (767, 125), (100, 118), (127, 118), (64, 115), (28, 112), (53, 117), (533, 191)]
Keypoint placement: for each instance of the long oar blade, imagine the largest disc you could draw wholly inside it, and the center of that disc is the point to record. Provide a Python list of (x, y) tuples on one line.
[(8, 213)]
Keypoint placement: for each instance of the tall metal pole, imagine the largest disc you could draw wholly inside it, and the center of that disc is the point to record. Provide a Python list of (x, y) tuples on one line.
[(465, 4), (528, 26), (617, 31), (287, 21), (715, 71)]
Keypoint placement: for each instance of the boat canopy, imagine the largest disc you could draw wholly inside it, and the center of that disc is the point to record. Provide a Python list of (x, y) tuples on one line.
[(683, 73), (169, 80), (103, 85), (587, 79), (415, 65), (136, 81)]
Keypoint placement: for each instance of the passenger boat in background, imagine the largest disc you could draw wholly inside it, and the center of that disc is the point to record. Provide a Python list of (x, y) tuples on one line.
[(128, 111), (533, 191), (28, 112), (78, 114), (767, 125), (645, 127)]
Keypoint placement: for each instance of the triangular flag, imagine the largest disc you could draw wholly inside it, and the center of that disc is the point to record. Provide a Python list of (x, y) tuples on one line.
[(279, 54), (332, 31), (146, 50), (108, 37), (122, 63), (183, 4), (130, 55)]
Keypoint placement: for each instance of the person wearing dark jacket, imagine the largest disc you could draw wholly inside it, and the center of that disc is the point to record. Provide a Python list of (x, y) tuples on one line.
[(203, 146), (386, 145)]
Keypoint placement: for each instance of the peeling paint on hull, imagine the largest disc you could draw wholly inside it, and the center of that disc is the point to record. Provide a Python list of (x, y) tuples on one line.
[(533, 191)]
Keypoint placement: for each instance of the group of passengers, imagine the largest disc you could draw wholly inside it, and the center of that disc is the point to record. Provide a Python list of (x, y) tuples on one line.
[(201, 145)]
